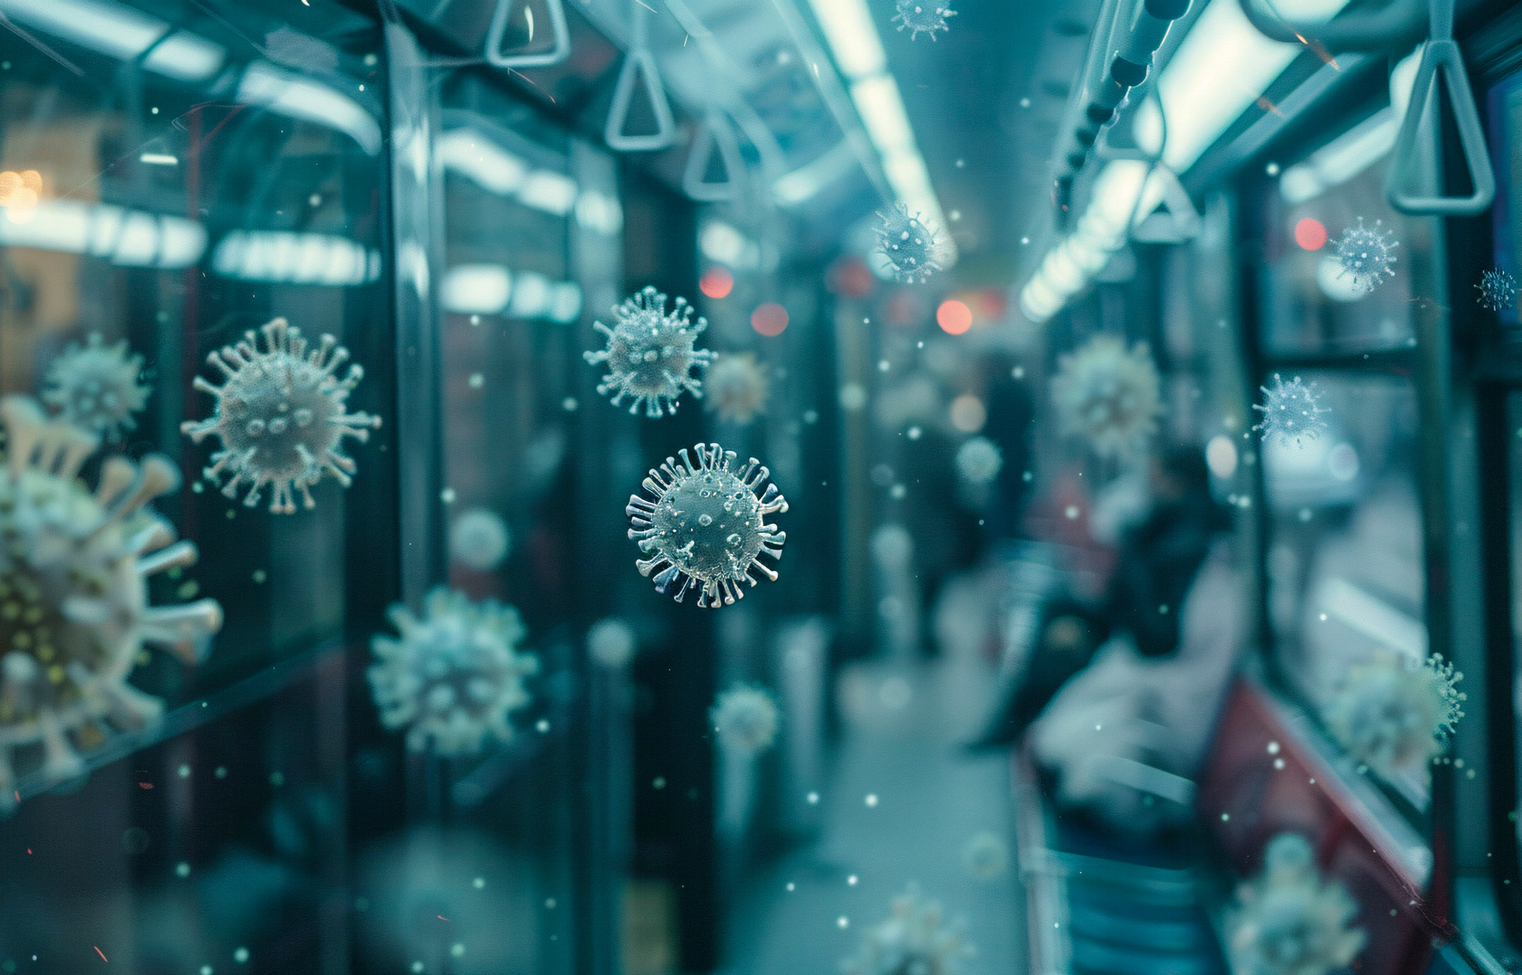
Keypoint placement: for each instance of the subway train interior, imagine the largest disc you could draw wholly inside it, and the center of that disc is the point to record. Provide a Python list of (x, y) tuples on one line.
[(760, 487)]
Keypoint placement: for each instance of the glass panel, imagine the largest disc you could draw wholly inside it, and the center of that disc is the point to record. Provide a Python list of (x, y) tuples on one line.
[(1505, 104)]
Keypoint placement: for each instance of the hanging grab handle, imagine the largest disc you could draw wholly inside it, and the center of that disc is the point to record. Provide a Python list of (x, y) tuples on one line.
[(559, 32), (639, 61), (1441, 56), (715, 135)]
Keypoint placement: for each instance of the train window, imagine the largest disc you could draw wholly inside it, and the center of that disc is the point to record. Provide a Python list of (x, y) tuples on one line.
[(1505, 105)]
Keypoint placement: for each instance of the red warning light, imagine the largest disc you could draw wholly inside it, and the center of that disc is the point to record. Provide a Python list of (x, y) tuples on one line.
[(769, 319), (1310, 234), (954, 317), (717, 282)]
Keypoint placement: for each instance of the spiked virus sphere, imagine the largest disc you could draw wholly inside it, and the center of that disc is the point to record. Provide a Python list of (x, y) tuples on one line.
[(909, 244), (281, 416), (612, 642), (923, 17), (1498, 290), (1290, 921), (74, 613), (455, 676), (479, 539), (979, 461), (706, 524), (914, 940), (651, 354), (746, 720), (737, 388), (1291, 411), (1108, 394), (1367, 254), (1392, 715), (94, 386)]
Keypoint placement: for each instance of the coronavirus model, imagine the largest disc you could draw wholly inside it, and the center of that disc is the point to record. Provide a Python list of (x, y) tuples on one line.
[(914, 940), (909, 244), (74, 612), (281, 416), (651, 353), (1367, 254), (455, 676), (705, 524), (1393, 714), (986, 855), (923, 17), (1291, 411), (737, 388), (479, 539), (95, 387), (746, 721), (979, 461), (1498, 290), (1288, 921), (1108, 394)]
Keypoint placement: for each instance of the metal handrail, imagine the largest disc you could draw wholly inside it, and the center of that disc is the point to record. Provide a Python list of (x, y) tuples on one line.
[(1397, 25)]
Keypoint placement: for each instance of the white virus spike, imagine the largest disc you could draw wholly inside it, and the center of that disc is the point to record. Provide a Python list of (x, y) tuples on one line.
[(914, 940), (746, 720), (1393, 714), (979, 461), (706, 524), (1291, 411), (1367, 254), (455, 676), (281, 416), (1498, 290), (74, 613), (1108, 394), (738, 387), (651, 354), (95, 387), (1288, 920), (986, 856), (923, 17), (910, 245)]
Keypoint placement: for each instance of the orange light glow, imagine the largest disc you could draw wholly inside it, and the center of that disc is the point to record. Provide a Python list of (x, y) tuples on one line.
[(769, 319), (717, 282), (954, 317), (1310, 234)]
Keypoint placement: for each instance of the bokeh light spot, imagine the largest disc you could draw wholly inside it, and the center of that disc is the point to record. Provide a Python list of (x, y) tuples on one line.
[(968, 414), (770, 319), (1310, 234), (717, 282), (954, 317)]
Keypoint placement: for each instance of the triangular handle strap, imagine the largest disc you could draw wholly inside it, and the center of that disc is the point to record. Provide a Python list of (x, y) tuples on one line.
[(559, 32), (715, 135), (623, 94), (1179, 223), (1442, 55)]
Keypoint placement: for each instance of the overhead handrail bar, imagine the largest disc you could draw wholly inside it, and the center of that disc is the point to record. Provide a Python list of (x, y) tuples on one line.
[(715, 135), (639, 61), (1394, 26), (560, 32)]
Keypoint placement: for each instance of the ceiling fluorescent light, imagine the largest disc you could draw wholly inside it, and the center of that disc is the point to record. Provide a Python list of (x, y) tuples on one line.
[(474, 156), (800, 185), (882, 111), (549, 192), (131, 238), (853, 37), (122, 33), (294, 96)]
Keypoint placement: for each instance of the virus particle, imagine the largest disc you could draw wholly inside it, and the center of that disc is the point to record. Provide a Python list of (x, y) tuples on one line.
[(923, 17), (479, 539), (651, 354), (909, 244), (979, 461), (1498, 290), (986, 855), (281, 416), (746, 720), (1288, 921), (74, 613), (612, 642), (914, 940), (94, 386), (1393, 715), (1367, 254), (738, 386), (1291, 411), (706, 524), (455, 676), (1108, 394)]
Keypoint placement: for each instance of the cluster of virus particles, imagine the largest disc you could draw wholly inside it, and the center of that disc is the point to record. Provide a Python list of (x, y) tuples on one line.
[(914, 940), (1291, 411), (746, 720), (1288, 920), (455, 676), (74, 612), (651, 353), (1394, 715), (1367, 254), (95, 387), (923, 17), (910, 245), (704, 524), (281, 416), (1498, 290), (1108, 394)]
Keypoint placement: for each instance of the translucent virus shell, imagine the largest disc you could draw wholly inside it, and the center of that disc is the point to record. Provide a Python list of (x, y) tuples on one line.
[(909, 244), (281, 416), (746, 720), (455, 676), (612, 642), (979, 461), (95, 387), (1291, 411), (1108, 394), (651, 354), (923, 17), (1498, 290), (1393, 715), (74, 612), (1367, 254), (1288, 921), (914, 940), (738, 387), (479, 539), (986, 856), (706, 524)]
